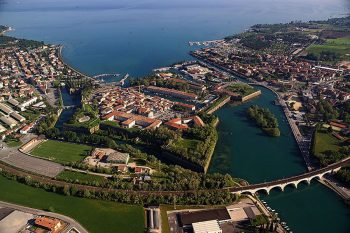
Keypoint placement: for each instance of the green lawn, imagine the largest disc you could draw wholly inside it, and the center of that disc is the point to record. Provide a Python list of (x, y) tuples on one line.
[(340, 46), (72, 176), (241, 89), (325, 141), (61, 152), (187, 143), (96, 216)]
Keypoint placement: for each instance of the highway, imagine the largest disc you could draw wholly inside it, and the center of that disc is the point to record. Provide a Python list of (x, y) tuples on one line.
[(71, 222)]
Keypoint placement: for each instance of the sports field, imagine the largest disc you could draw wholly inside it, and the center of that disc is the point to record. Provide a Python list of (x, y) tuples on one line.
[(61, 152), (96, 216)]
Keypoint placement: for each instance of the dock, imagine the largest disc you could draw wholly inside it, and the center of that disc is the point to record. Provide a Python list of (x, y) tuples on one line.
[(205, 43), (122, 81)]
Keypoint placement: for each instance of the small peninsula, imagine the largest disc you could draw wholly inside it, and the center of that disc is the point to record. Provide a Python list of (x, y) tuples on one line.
[(265, 119)]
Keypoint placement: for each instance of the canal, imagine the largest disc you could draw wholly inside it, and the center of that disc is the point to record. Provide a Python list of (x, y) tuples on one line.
[(244, 151), (68, 100)]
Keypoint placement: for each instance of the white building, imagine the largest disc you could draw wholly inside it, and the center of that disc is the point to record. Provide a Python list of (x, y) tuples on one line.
[(8, 121), (5, 108), (14, 221), (2, 129), (18, 117), (27, 103), (13, 101), (211, 226)]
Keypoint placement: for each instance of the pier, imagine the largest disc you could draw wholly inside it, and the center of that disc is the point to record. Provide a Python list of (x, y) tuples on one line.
[(204, 43), (106, 75), (122, 81)]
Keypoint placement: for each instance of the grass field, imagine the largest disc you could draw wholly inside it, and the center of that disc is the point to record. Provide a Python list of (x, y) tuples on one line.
[(340, 46), (325, 141), (187, 143), (72, 176), (241, 89), (61, 152), (96, 216)]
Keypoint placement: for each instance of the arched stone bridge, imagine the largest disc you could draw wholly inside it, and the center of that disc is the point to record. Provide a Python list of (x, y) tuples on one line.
[(293, 181)]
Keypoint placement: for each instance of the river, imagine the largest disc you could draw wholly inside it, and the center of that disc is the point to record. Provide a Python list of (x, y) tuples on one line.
[(135, 36), (243, 150), (68, 100)]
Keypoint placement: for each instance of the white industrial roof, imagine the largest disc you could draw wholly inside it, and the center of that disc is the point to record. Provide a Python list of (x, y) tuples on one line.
[(14, 221), (211, 226)]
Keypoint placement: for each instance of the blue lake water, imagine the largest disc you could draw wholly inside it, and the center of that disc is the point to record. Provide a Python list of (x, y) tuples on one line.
[(135, 36)]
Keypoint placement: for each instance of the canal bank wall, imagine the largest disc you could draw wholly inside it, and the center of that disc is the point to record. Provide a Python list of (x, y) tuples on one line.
[(296, 133), (303, 144), (251, 96), (218, 106)]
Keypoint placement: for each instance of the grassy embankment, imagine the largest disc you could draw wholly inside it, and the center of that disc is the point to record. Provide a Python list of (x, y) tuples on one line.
[(61, 152), (72, 176), (96, 216), (241, 88), (187, 143)]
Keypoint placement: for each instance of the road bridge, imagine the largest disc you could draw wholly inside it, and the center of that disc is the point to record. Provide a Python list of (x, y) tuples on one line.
[(292, 181), (69, 106)]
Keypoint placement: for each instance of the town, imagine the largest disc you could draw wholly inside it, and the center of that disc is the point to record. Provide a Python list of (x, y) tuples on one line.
[(149, 141)]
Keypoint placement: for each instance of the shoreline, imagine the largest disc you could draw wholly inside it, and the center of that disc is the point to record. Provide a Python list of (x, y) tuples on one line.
[(295, 130), (60, 57), (283, 105)]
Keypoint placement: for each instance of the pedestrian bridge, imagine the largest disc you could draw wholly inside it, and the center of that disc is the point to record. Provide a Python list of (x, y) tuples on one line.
[(292, 181), (68, 106)]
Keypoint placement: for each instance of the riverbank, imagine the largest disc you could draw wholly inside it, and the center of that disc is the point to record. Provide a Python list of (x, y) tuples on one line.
[(304, 144)]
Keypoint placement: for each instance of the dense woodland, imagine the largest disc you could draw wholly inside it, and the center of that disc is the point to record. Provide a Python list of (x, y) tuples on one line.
[(265, 119)]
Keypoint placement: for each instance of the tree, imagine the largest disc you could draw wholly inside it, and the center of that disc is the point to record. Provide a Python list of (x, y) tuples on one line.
[(66, 190), (330, 129), (70, 136)]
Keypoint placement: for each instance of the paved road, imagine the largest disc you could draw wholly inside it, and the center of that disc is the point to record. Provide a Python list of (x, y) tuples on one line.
[(16, 158), (71, 222), (338, 187)]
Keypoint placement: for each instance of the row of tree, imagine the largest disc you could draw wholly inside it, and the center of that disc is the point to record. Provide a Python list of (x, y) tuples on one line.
[(189, 198)]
